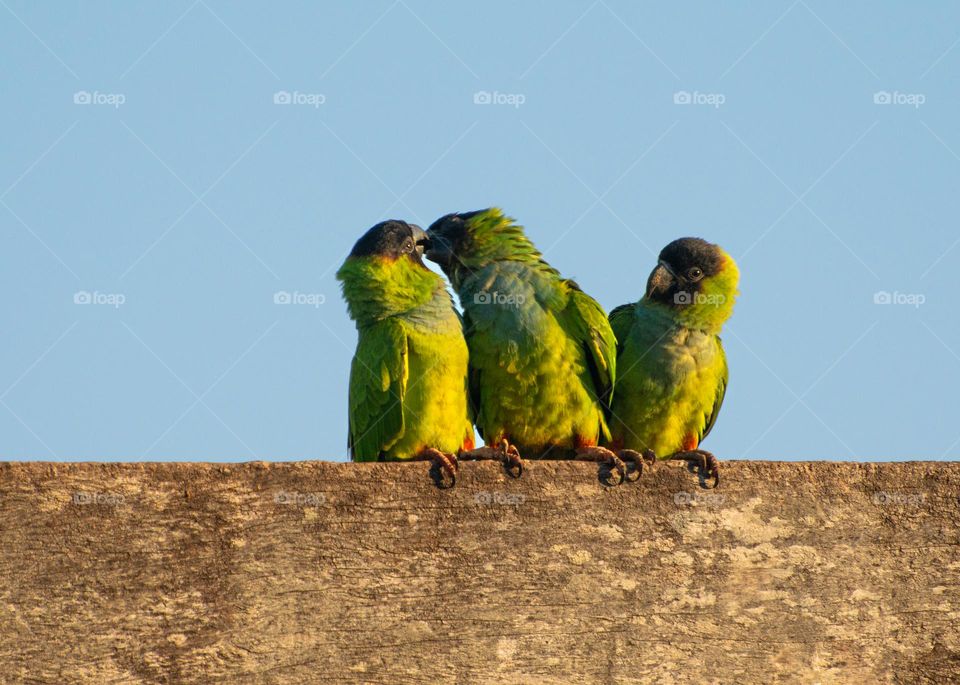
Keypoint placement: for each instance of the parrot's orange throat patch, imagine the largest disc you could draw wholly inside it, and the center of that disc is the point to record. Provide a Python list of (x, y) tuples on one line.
[(468, 443), (384, 259), (691, 442)]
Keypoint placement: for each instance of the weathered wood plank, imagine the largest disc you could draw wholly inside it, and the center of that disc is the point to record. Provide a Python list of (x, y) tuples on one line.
[(329, 572)]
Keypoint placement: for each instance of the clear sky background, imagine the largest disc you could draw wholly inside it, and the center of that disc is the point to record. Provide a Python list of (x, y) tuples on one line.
[(146, 167)]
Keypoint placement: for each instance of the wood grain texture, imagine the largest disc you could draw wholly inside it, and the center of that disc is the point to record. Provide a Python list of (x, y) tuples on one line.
[(317, 572)]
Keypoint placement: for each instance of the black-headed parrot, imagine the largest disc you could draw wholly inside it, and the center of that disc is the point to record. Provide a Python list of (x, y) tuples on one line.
[(408, 380), (672, 367)]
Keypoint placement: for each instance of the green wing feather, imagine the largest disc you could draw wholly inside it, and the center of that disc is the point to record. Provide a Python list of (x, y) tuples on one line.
[(592, 328), (378, 381), (718, 398), (473, 374), (621, 321)]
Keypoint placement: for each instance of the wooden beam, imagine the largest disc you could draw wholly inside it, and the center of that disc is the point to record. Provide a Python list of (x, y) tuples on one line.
[(316, 572)]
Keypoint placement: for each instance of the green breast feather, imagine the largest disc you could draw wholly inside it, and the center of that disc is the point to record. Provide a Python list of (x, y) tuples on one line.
[(672, 381)]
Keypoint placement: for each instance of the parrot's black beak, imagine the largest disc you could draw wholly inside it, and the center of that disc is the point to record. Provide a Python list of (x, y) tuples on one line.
[(660, 281), (420, 239), (438, 249)]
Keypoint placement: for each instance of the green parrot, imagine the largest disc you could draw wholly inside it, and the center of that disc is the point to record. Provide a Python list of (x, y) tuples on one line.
[(673, 370), (542, 353), (408, 381)]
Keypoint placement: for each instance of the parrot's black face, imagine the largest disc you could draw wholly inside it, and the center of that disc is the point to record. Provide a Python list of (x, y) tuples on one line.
[(684, 265), (447, 237), (393, 239)]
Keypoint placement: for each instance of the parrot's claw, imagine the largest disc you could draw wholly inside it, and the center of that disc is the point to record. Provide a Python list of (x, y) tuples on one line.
[(638, 460), (446, 465), (706, 465), (508, 455), (607, 459), (511, 460)]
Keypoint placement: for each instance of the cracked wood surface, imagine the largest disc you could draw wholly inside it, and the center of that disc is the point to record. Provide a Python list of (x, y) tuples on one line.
[(316, 572)]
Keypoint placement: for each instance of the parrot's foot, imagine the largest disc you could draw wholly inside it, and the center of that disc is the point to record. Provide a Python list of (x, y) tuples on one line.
[(508, 455), (638, 460), (608, 461), (704, 463), (445, 464), (511, 461)]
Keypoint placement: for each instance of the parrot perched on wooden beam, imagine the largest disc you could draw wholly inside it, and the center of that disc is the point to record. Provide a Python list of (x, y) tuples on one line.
[(672, 367), (408, 380), (542, 353)]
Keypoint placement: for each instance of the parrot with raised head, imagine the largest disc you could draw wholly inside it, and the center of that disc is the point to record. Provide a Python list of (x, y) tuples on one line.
[(542, 353), (408, 380), (672, 367)]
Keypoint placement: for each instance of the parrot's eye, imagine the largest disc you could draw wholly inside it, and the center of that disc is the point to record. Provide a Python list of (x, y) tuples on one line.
[(695, 273), (408, 245)]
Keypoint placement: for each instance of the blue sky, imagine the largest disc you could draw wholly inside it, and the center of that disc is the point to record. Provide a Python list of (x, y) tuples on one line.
[(169, 168)]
